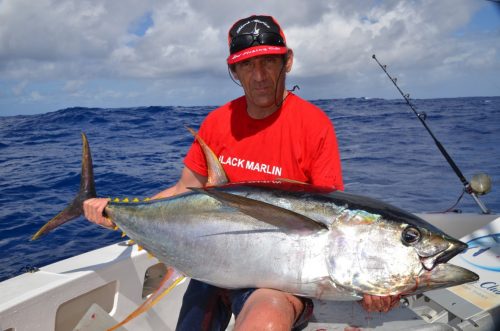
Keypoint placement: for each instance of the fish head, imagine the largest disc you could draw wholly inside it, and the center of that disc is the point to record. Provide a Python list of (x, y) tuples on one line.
[(434, 249), (379, 255), (432, 245)]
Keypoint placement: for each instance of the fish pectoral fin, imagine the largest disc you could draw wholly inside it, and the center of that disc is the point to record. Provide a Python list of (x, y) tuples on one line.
[(172, 279), (264, 212)]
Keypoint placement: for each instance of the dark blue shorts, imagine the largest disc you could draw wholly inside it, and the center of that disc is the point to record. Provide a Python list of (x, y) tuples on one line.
[(209, 308)]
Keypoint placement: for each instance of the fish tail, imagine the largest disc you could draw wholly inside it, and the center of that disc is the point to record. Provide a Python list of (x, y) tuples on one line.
[(87, 191)]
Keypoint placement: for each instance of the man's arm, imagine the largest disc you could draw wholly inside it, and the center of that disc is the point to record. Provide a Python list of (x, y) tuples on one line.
[(93, 208), (188, 178), (374, 303)]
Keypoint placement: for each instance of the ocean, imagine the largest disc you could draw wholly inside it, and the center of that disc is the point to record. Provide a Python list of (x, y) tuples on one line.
[(386, 154)]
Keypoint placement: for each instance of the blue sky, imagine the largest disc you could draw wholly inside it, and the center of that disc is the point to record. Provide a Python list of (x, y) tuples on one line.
[(59, 54)]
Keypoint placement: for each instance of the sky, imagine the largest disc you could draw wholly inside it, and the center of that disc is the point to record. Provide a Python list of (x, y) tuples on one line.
[(56, 54)]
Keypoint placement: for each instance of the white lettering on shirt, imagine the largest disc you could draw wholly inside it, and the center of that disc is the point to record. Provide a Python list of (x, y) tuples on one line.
[(250, 165)]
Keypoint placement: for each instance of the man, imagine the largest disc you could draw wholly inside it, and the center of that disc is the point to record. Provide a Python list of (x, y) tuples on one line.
[(266, 134)]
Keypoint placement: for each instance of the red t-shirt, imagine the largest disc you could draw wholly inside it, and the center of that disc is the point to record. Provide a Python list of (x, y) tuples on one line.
[(296, 142)]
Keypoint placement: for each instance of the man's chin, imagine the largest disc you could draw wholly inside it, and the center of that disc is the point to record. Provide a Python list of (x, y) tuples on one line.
[(263, 100)]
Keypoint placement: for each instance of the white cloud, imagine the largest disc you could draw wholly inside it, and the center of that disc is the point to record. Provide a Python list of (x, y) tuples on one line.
[(18, 89), (184, 45), (36, 96), (73, 86)]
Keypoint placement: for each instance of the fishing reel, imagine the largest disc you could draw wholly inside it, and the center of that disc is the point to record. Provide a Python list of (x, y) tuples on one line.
[(480, 183)]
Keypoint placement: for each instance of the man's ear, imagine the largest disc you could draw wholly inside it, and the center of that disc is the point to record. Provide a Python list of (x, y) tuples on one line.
[(289, 60)]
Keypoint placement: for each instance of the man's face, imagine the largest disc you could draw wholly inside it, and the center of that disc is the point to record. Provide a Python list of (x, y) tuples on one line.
[(259, 76)]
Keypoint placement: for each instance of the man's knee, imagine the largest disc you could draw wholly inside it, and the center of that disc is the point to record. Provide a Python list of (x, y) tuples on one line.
[(269, 310)]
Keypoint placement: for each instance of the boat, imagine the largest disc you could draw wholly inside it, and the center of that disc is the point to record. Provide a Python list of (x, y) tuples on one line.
[(98, 289)]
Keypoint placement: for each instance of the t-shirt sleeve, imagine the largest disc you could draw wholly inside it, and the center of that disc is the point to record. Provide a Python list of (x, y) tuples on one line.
[(326, 169)]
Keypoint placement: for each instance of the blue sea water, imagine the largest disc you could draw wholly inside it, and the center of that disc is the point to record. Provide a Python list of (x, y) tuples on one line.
[(386, 154)]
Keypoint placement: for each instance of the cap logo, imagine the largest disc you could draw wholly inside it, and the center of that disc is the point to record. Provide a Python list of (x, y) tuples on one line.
[(255, 30)]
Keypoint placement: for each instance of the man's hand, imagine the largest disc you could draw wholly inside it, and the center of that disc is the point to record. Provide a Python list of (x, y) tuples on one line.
[(374, 303), (93, 210)]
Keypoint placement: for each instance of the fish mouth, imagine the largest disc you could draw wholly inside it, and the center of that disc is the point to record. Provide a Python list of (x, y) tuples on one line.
[(443, 275), (454, 248)]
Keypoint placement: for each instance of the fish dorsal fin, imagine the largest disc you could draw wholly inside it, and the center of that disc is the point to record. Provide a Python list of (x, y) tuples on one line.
[(282, 218), (216, 174)]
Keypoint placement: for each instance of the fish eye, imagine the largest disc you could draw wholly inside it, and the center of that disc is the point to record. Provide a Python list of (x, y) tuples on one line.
[(411, 235)]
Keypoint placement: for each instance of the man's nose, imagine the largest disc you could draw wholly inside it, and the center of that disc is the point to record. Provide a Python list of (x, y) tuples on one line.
[(259, 71)]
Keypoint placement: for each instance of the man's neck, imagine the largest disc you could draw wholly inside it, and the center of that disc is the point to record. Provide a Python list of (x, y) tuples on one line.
[(259, 113)]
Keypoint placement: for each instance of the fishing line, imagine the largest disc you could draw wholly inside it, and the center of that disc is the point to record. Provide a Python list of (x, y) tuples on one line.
[(452, 208), (285, 60), (422, 117), (456, 203), (295, 87), (230, 73)]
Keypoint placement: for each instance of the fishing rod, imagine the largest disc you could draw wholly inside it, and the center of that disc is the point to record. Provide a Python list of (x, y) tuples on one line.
[(422, 117)]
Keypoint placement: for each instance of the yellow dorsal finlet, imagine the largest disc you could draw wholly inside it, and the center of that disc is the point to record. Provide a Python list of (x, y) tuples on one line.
[(127, 200)]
